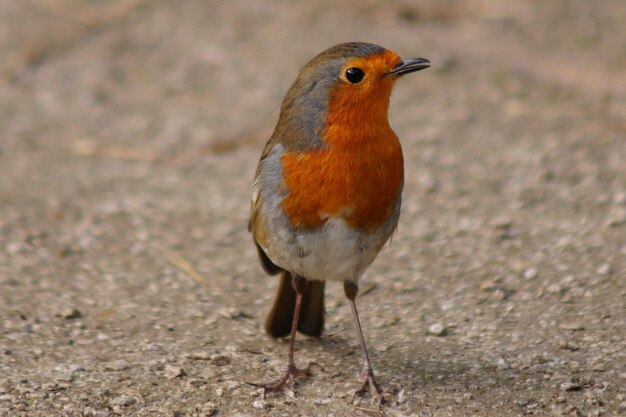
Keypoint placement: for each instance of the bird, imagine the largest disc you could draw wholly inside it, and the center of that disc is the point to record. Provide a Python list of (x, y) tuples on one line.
[(327, 191)]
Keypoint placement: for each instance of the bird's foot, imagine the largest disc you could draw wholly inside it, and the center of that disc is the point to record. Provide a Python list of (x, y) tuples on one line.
[(370, 384), (290, 375)]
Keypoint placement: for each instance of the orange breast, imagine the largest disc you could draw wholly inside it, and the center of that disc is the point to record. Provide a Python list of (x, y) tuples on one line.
[(359, 174), (358, 178)]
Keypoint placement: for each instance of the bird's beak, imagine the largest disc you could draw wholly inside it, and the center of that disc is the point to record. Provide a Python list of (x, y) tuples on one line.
[(409, 65)]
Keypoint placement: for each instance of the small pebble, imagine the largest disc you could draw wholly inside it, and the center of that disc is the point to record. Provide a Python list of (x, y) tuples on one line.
[(616, 217), (572, 325), (71, 313), (599, 367), (322, 401), (117, 366), (231, 313), (200, 356), (63, 377), (220, 360), (49, 386), (401, 397), (232, 384), (125, 401), (555, 289), (568, 345), (195, 382), (503, 364), (501, 222), (69, 368), (260, 405), (488, 285), (89, 411), (500, 295), (75, 368), (438, 330), (604, 269), (172, 372), (531, 273), (209, 409), (571, 386), (153, 347)]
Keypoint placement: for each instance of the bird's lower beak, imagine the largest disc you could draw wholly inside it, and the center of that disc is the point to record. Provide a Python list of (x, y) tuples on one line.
[(409, 65)]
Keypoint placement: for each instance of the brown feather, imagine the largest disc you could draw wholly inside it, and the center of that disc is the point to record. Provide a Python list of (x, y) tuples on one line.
[(280, 318), (268, 266), (312, 313)]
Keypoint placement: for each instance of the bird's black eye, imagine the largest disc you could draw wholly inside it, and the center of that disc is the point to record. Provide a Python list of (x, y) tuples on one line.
[(354, 75)]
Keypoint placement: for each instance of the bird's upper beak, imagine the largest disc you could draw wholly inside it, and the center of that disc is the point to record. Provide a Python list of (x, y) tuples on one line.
[(409, 65)]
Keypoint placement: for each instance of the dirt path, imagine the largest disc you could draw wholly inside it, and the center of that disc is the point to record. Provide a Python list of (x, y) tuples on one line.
[(129, 132)]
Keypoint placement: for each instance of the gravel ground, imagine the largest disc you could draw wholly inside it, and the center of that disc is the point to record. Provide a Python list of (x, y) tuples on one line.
[(129, 133)]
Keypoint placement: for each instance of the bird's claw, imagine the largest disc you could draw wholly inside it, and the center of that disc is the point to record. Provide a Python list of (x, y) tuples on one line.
[(289, 376), (370, 384)]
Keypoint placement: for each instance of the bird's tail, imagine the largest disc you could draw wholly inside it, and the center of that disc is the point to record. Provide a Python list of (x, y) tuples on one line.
[(311, 320)]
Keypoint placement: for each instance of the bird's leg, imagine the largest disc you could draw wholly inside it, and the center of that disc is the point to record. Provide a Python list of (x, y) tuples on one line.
[(291, 372), (351, 289)]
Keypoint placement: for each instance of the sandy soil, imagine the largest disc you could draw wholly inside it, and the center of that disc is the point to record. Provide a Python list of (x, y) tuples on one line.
[(129, 133)]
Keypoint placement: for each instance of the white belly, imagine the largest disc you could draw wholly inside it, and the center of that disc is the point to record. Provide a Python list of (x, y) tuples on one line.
[(333, 252)]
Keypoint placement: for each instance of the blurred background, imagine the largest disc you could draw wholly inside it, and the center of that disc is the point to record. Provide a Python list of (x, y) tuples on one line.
[(129, 135)]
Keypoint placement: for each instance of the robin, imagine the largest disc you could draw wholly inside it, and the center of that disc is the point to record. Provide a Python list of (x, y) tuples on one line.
[(328, 189)]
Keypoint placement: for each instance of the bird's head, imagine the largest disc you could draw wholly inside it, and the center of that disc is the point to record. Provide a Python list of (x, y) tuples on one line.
[(347, 83)]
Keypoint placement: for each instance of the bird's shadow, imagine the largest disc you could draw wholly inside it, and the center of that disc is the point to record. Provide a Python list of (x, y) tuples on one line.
[(411, 368)]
